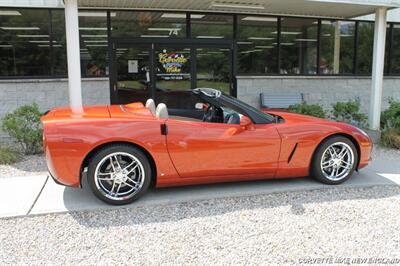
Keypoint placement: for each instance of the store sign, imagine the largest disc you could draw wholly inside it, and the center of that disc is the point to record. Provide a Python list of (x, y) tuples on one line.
[(172, 63)]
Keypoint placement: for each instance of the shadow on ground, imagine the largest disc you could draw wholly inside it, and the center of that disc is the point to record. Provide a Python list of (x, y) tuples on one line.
[(174, 204)]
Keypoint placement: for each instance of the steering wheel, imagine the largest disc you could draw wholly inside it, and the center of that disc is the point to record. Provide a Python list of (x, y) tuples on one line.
[(209, 114)]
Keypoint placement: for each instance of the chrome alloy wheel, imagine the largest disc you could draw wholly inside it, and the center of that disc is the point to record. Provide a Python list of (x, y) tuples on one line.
[(337, 161), (119, 176)]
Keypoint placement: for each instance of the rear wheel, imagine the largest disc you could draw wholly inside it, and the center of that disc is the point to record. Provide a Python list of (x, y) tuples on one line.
[(119, 174), (335, 160)]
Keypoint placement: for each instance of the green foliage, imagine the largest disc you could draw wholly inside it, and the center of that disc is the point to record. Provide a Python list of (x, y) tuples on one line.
[(349, 112), (24, 126), (391, 116), (8, 155), (308, 109), (390, 124), (391, 138)]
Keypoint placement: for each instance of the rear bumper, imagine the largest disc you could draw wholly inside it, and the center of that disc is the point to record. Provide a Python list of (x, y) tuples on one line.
[(58, 168)]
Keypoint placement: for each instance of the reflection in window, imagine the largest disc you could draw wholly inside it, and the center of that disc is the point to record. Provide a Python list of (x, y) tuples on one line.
[(94, 43), (59, 45), (211, 26), (396, 50), (213, 68), (337, 47), (148, 24), (24, 43), (298, 46), (257, 44), (365, 47)]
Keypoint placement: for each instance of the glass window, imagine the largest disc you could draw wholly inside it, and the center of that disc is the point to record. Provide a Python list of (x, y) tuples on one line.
[(365, 47), (59, 43), (24, 42), (298, 46), (396, 50), (148, 24), (337, 47), (256, 40), (211, 26), (387, 49), (94, 43)]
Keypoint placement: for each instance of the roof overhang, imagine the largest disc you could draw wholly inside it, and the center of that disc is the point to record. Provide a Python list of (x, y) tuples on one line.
[(309, 8), (341, 9)]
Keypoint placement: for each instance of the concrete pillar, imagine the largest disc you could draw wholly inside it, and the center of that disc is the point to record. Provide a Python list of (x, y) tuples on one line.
[(377, 69), (73, 56), (336, 49)]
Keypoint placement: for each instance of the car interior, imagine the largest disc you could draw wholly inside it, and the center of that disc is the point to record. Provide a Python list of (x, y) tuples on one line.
[(201, 112)]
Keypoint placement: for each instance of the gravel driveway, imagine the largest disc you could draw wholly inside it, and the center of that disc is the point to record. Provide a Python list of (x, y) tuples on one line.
[(30, 165), (276, 228)]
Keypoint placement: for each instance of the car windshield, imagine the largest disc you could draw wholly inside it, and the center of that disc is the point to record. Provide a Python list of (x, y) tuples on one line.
[(235, 104), (247, 106)]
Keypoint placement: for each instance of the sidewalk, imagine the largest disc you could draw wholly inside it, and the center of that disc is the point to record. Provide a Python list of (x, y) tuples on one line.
[(41, 195)]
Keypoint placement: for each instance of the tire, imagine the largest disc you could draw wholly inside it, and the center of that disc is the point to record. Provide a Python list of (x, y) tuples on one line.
[(327, 165), (124, 180)]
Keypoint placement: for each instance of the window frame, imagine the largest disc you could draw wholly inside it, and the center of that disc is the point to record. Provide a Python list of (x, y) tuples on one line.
[(388, 62)]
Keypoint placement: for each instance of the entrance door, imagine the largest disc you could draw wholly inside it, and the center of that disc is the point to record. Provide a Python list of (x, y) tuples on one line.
[(166, 72), (132, 74), (173, 75)]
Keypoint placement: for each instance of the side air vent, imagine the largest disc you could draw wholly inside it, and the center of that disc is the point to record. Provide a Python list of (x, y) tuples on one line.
[(292, 153)]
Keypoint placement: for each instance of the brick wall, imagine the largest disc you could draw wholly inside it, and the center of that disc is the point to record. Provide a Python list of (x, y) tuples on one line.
[(48, 94), (321, 90)]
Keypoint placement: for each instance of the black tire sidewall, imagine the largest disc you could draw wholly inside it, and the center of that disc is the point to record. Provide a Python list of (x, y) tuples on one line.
[(99, 155), (316, 171)]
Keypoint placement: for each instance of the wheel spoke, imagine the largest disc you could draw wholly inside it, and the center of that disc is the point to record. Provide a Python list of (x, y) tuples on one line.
[(112, 188), (129, 165), (104, 173), (341, 156), (105, 178), (112, 164), (333, 173), (116, 160), (119, 187), (133, 181), (130, 171)]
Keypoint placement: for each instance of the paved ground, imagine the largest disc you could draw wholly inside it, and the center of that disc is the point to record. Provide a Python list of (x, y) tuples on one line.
[(40, 195)]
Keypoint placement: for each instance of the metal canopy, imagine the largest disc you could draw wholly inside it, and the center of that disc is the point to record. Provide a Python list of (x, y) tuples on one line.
[(312, 8)]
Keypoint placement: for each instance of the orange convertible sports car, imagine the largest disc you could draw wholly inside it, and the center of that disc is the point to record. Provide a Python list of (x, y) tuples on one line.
[(124, 149)]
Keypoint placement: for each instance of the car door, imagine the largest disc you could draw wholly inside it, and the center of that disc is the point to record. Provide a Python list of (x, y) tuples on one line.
[(216, 149)]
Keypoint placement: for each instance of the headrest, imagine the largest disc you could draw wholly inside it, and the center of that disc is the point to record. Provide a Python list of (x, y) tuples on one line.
[(151, 106), (162, 111)]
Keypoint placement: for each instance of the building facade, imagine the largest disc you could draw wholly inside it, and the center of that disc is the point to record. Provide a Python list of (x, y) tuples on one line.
[(131, 54)]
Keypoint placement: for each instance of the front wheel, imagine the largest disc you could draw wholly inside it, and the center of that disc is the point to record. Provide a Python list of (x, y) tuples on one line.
[(119, 174), (334, 161)]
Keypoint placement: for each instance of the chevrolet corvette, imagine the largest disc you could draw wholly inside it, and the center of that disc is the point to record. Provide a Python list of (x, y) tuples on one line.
[(123, 150)]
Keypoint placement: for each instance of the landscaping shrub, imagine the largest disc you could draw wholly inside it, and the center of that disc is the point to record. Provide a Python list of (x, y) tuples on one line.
[(24, 126), (308, 109), (391, 138), (390, 124), (391, 116), (349, 112), (8, 156)]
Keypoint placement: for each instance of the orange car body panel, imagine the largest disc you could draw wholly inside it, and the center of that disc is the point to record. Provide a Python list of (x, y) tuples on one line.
[(191, 152)]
